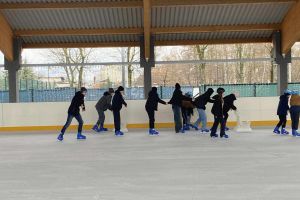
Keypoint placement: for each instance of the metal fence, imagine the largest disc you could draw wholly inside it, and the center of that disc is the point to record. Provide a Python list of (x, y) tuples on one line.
[(66, 94), (28, 84)]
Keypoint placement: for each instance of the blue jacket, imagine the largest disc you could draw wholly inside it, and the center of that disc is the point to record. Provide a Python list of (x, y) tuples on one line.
[(283, 105)]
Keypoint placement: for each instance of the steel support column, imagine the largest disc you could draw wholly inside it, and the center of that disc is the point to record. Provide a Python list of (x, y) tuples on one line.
[(13, 67), (147, 64), (282, 62)]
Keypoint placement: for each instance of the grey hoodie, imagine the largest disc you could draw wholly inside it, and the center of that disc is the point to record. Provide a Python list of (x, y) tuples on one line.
[(105, 102)]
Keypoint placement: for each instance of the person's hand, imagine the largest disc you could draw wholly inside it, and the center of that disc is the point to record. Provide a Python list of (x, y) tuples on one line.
[(166, 103), (83, 109), (126, 105)]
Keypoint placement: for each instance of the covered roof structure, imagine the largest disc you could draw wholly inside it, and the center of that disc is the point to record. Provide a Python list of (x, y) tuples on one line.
[(119, 23)]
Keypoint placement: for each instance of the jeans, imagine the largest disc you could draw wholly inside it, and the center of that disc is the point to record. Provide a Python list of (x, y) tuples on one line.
[(151, 115), (282, 121), (202, 118), (117, 120), (177, 118), (295, 114), (218, 120), (101, 118), (69, 121)]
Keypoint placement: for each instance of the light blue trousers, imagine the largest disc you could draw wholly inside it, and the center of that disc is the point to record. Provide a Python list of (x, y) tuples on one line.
[(202, 118)]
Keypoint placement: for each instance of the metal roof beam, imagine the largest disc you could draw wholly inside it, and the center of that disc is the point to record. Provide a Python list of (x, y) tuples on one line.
[(79, 45), (223, 28), (157, 43), (70, 5), (62, 32), (147, 27), (128, 4), (210, 2), (137, 31), (216, 41)]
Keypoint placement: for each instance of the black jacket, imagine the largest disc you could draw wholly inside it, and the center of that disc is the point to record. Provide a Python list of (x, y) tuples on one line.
[(77, 101), (283, 105), (201, 101), (104, 102), (118, 101), (153, 100), (176, 98), (217, 109), (229, 103)]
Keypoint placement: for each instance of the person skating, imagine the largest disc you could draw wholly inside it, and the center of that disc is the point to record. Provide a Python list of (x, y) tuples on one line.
[(295, 112), (102, 105), (151, 106), (176, 102), (74, 111), (228, 105), (187, 110), (117, 103), (282, 111), (200, 103), (217, 111)]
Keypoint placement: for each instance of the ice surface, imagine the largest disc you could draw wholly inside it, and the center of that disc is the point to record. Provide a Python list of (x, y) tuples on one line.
[(252, 166)]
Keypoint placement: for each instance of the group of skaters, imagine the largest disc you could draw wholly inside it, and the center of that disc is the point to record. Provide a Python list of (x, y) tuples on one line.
[(288, 102), (183, 106)]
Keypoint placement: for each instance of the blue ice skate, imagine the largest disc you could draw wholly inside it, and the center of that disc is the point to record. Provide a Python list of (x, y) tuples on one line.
[(60, 137), (186, 127), (95, 128), (153, 132), (182, 130), (295, 133), (119, 133), (284, 132), (194, 127), (102, 129), (224, 136), (205, 130), (156, 132), (80, 136), (214, 135), (276, 130)]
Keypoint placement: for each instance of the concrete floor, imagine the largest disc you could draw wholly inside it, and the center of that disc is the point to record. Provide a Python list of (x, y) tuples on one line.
[(252, 166)]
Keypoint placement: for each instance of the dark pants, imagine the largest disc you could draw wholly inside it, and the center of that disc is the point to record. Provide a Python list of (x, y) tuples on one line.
[(282, 121), (218, 120), (184, 115), (69, 121), (101, 118), (151, 115), (117, 120), (295, 114), (225, 118), (177, 118)]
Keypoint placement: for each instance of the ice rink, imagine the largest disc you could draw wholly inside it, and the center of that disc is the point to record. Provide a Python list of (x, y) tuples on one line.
[(252, 166)]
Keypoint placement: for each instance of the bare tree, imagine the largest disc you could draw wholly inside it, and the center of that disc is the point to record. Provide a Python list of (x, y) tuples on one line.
[(131, 57), (74, 73), (270, 50), (199, 51)]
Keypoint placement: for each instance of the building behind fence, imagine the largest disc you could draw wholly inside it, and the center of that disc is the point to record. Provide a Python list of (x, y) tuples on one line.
[(65, 94)]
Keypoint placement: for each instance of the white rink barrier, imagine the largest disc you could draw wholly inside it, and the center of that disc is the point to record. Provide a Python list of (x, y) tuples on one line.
[(258, 110)]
